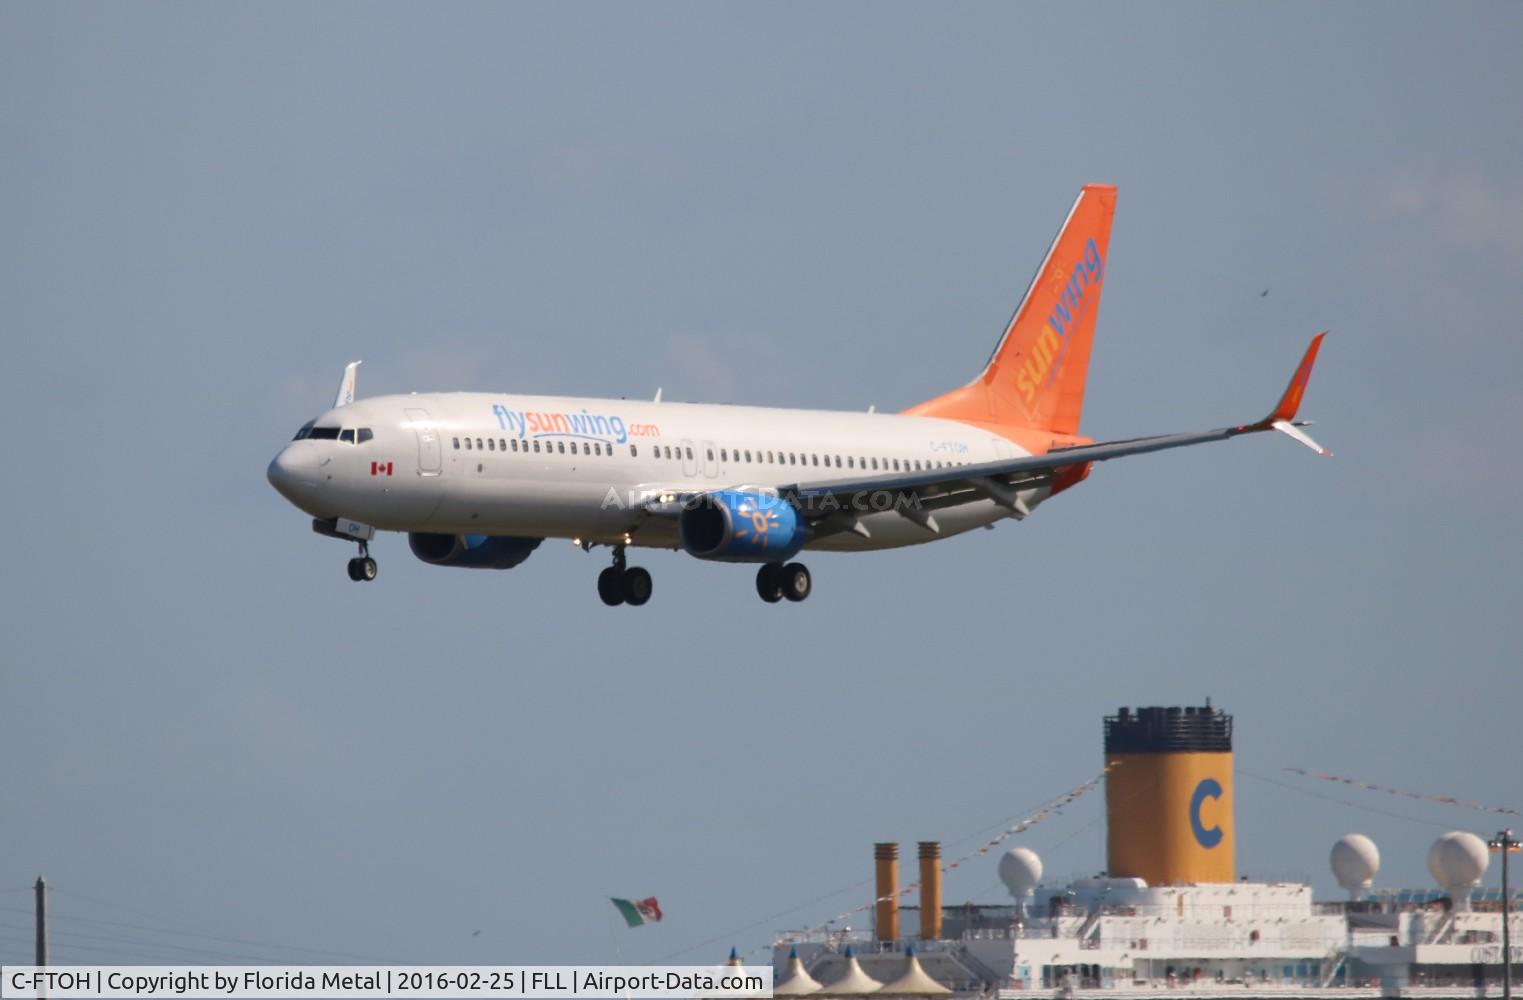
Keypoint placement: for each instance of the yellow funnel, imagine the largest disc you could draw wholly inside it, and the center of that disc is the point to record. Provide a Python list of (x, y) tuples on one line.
[(1168, 795)]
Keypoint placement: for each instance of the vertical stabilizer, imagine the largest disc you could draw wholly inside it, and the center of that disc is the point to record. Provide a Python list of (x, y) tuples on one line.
[(1035, 378)]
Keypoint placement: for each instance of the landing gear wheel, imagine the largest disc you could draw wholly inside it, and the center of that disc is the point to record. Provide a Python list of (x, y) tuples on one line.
[(796, 581), (637, 586), (362, 568), (611, 586), (769, 586)]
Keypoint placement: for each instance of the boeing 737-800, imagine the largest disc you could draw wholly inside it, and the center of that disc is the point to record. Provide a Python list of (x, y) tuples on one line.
[(481, 479)]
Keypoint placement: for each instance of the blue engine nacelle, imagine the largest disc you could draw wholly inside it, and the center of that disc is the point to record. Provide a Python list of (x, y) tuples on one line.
[(471, 551), (741, 527)]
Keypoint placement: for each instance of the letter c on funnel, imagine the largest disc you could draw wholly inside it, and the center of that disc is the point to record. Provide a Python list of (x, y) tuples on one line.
[(1207, 789)]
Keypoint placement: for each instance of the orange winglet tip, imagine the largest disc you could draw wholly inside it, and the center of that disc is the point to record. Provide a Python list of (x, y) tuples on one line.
[(1290, 402)]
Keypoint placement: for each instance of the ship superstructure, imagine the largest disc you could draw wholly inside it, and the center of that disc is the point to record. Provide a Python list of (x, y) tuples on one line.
[(1170, 915)]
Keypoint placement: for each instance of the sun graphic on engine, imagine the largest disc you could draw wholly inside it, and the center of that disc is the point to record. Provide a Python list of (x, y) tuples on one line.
[(761, 526)]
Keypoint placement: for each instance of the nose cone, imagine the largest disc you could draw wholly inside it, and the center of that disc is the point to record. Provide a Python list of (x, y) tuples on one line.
[(293, 473)]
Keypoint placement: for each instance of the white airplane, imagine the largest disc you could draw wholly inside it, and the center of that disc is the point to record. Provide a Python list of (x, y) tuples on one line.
[(481, 479)]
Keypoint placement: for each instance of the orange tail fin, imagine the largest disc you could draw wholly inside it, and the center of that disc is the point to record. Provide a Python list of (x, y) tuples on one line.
[(1035, 378)]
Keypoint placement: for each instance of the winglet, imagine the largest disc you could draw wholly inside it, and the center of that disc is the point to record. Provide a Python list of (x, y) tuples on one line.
[(1283, 419), (346, 385), (1291, 401), (1286, 427)]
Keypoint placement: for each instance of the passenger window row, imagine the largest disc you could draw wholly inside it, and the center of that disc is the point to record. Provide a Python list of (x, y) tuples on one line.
[(866, 463), (871, 463), (550, 447)]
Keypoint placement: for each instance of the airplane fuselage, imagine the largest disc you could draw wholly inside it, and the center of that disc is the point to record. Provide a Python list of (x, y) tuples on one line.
[(577, 468)]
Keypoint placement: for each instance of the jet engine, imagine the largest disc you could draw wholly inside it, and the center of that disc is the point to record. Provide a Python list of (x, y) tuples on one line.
[(471, 551), (733, 526)]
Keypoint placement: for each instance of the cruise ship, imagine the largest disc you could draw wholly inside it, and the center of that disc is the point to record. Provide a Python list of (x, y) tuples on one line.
[(1169, 917)]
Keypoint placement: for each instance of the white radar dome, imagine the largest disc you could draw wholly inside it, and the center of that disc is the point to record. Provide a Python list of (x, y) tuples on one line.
[(1020, 869), (1356, 861), (1457, 861)]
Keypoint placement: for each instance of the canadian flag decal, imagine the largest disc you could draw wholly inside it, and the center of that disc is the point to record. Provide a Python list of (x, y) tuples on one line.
[(380, 468)]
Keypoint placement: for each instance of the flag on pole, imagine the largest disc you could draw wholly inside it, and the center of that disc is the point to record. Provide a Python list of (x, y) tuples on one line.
[(639, 911)]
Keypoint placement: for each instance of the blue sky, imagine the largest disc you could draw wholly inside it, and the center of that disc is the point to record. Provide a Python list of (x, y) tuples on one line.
[(208, 210)]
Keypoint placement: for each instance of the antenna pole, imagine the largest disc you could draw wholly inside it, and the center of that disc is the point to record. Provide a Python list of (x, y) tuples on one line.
[(41, 889), (1506, 843)]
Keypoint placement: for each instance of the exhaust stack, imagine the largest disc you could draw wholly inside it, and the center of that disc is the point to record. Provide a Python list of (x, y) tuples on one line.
[(1168, 795), (930, 890), (886, 913)]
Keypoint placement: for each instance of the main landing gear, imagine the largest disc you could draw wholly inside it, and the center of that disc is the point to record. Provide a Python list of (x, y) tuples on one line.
[(362, 568), (622, 584), (775, 581)]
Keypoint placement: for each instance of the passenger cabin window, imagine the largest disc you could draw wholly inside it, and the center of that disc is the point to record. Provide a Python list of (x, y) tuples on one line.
[(478, 444), (467, 444), (491, 444), (457, 444), (536, 447), (634, 453)]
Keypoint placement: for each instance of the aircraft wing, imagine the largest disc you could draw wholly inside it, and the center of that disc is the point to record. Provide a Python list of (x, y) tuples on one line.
[(1002, 480)]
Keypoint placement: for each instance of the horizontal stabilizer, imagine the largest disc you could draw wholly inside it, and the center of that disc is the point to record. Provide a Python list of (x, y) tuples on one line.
[(346, 384)]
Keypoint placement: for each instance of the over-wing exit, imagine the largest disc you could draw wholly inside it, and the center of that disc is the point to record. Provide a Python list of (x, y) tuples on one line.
[(479, 480)]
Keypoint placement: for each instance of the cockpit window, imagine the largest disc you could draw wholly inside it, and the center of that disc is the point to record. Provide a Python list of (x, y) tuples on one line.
[(365, 434), (347, 435), (323, 433), (306, 429)]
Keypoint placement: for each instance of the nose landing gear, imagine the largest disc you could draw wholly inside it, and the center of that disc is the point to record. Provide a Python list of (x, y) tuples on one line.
[(362, 568), (623, 584)]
